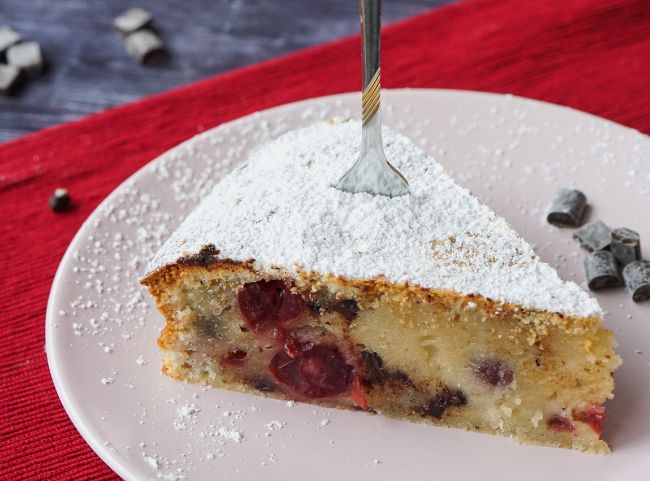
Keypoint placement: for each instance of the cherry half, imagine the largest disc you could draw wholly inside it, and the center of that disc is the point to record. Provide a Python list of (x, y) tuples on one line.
[(594, 416), (268, 304), (560, 423), (318, 372)]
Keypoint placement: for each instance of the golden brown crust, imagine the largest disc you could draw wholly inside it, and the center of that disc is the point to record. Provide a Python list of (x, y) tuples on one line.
[(375, 287)]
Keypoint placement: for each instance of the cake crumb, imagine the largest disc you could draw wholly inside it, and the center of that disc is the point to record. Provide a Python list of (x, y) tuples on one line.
[(152, 462)]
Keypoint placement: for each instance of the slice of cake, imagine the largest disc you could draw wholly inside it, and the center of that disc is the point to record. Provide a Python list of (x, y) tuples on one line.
[(426, 307)]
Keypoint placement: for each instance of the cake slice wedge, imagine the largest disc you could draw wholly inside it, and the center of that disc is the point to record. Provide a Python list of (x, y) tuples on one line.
[(426, 307)]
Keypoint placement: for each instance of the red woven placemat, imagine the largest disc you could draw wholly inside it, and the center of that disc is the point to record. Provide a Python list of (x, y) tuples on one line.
[(593, 55)]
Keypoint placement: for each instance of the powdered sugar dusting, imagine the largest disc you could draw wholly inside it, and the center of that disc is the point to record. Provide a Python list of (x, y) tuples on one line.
[(281, 209)]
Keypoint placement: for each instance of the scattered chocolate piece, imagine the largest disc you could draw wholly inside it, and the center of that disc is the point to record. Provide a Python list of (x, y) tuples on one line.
[(27, 57), (8, 78), (637, 279), (626, 245), (60, 200), (145, 47), (8, 37), (133, 19), (595, 236), (601, 270), (567, 208), (348, 308)]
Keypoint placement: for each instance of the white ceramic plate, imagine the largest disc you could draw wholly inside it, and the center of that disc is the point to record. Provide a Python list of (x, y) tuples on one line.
[(513, 153)]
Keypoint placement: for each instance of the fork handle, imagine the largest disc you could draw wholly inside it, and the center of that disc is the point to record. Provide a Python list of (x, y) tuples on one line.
[(370, 16)]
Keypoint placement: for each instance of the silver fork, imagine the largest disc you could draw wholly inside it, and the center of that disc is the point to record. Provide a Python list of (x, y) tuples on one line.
[(372, 173)]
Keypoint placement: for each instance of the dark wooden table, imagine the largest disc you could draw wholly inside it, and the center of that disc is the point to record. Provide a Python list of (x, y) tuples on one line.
[(88, 69)]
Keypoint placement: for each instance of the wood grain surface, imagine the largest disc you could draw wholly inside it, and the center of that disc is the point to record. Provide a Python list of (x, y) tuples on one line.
[(88, 69)]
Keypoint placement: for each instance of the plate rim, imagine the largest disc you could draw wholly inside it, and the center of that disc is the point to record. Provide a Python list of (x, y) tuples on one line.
[(63, 391)]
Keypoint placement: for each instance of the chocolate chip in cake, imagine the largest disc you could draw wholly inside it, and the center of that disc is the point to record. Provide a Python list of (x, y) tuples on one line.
[(373, 366), (493, 372), (205, 257), (567, 209), (26, 57), (601, 270), (145, 47), (596, 236), (626, 245), (133, 19), (60, 200), (444, 399), (400, 377), (8, 37), (348, 308), (314, 307), (637, 279), (263, 384), (374, 372)]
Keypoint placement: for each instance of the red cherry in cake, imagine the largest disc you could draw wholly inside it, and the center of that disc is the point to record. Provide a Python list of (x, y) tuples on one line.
[(319, 372), (560, 423), (358, 394), (268, 304), (594, 416)]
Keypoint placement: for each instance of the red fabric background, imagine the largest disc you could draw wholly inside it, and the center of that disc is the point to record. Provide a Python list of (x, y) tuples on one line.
[(593, 55)]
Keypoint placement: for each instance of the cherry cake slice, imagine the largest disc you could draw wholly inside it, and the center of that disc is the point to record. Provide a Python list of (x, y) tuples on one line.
[(427, 308)]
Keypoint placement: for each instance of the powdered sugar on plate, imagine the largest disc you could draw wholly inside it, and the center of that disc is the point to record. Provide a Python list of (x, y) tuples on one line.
[(280, 209), (512, 153)]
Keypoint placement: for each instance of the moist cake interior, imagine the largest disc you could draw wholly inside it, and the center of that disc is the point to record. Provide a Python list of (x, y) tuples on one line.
[(427, 307)]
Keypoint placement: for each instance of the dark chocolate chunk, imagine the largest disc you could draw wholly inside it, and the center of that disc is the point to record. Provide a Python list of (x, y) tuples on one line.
[(263, 384), (602, 271), (567, 208), (637, 279), (206, 256), (348, 308), (373, 366), (60, 200), (145, 47), (8, 37), (400, 377), (374, 372), (626, 245), (493, 372), (596, 236), (444, 399), (9, 76), (133, 19), (26, 57)]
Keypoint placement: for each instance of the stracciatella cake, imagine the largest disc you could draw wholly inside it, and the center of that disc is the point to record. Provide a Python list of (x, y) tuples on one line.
[(426, 307)]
